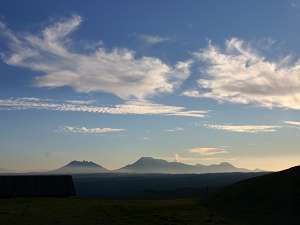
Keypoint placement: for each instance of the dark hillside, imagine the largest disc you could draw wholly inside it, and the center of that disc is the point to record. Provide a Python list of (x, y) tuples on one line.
[(36, 185), (269, 199), (122, 185)]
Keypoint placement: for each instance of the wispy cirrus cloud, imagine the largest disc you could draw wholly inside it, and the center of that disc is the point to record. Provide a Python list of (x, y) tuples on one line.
[(80, 102), (127, 108), (153, 39), (207, 150), (201, 158), (244, 128), (96, 130), (176, 129), (294, 4), (240, 74), (118, 72)]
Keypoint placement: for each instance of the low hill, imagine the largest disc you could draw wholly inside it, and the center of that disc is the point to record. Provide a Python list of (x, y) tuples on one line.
[(6, 171), (152, 165), (148, 186), (36, 185), (272, 199), (79, 167)]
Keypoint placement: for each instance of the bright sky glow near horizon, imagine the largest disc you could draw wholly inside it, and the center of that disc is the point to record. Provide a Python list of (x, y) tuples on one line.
[(111, 81)]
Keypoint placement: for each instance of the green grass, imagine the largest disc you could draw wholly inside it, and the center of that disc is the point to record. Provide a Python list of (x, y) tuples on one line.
[(92, 211)]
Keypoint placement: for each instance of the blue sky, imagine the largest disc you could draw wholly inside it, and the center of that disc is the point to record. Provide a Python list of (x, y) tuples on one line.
[(111, 81)]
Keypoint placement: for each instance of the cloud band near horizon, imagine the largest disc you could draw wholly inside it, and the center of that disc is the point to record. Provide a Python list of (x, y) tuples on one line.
[(127, 108)]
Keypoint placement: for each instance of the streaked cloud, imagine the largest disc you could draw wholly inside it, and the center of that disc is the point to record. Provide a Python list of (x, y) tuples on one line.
[(244, 128), (207, 150), (295, 124), (153, 39), (176, 129), (197, 158), (241, 74), (51, 53), (85, 130), (80, 102), (127, 108)]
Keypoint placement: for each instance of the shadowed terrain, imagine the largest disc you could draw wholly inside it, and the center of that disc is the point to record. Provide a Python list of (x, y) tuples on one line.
[(137, 186), (87, 211), (272, 199), (36, 185)]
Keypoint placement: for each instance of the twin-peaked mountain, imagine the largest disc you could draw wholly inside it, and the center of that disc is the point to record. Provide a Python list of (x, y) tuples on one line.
[(78, 167), (149, 165)]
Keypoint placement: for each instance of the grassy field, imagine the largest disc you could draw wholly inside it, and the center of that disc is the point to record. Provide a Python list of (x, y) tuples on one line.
[(92, 211)]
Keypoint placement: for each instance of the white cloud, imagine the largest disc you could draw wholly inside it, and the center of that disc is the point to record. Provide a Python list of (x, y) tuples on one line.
[(153, 39), (244, 128), (85, 130), (207, 150), (192, 93), (239, 74), (128, 108), (118, 71), (176, 129), (295, 124)]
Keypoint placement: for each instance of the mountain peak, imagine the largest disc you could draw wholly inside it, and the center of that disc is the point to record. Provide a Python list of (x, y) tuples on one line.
[(225, 164), (83, 163), (78, 167), (146, 159)]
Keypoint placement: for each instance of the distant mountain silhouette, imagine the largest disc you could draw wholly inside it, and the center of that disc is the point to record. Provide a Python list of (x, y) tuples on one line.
[(6, 171), (77, 167), (152, 165), (269, 199)]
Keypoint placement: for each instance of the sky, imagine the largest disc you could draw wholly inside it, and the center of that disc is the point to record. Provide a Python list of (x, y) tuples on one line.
[(112, 81)]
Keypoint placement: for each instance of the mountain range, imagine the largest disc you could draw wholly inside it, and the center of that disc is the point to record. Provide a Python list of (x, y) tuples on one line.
[(5, 171), (149, 165), (152, 165)]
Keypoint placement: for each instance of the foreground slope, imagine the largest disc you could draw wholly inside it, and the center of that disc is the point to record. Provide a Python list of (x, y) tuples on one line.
[(269, 199), (92, 211)]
